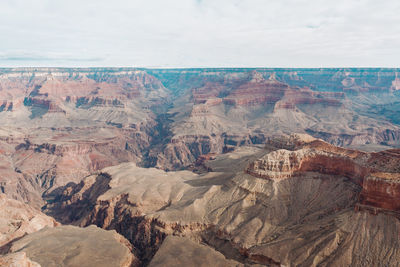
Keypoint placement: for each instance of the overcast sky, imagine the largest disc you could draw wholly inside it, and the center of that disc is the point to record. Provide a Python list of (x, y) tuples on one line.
[(200, 33)]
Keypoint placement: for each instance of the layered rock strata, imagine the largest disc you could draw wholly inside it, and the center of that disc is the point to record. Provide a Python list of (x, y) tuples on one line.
[(60, 125), (378, 173), (233, 108), (306, 219)]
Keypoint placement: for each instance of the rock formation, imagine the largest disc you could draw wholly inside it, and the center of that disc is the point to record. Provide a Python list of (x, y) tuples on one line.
[(73, 246), (265, 206), (378, 173), (32, 239), (76, 121), (180, 251), (19, 219), (204, 160), (233, 107), (17, 260), (60, 125)]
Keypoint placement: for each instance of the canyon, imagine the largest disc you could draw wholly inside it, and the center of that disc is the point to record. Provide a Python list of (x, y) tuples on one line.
[(274, 207), (223, 167)]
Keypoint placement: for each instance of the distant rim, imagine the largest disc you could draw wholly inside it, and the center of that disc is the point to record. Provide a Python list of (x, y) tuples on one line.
[(21, 69)]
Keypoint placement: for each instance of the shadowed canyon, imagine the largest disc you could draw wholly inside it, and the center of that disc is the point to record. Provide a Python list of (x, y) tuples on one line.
[(199, 167)]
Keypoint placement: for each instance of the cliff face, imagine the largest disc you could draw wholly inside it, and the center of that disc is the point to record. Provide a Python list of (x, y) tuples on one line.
[(233, 107), (381, 190), (32, 239), (304, 207), (200, 111), (377, 173), (282, 164), (256, 90), (37, 162), (36, 93), (67, 135), (60, 125)]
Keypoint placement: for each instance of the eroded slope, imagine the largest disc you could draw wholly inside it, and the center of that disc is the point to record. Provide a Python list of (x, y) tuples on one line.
[(310, 218)]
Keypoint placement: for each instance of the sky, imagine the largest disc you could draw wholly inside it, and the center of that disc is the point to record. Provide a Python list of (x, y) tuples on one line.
[(200, 33)]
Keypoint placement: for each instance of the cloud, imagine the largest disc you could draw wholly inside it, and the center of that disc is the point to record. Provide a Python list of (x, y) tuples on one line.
[(200, 33), (27, 56)]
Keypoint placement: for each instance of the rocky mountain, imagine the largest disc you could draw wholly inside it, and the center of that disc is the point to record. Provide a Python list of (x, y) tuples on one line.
[(200, 166)]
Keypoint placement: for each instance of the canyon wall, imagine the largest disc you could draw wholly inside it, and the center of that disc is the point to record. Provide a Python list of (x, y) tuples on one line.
[(312, 205), (76, 121)]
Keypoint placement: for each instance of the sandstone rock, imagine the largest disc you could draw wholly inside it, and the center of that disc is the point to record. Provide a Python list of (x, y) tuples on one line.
[(62, 129), (378, 173), (81, 120), (18, 219), (70, 123), (180, 251), (73, 246), (17, 260), (382, 191), (242, 108), (348, 242), (302, 219)]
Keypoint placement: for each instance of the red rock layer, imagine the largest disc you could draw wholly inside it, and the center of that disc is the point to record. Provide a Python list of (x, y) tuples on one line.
[(305, 96), (377, 173), (255, 90), (52, 91), (381, 190)]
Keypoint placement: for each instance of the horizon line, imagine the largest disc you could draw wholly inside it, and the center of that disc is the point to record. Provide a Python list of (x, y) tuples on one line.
[(186, 68)]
